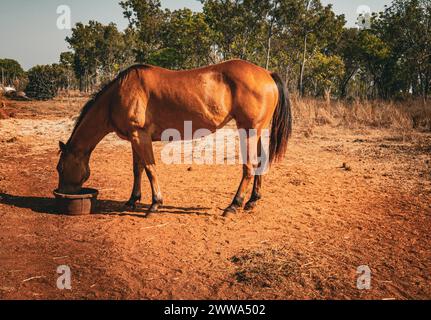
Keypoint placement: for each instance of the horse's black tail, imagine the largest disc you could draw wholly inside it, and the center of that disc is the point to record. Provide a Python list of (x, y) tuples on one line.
[(281, 123)]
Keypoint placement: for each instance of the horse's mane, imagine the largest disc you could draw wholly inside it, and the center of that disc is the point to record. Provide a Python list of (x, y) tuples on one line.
[(90, 103)]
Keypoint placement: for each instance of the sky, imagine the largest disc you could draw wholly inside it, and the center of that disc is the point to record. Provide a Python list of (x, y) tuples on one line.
[(29, 32)]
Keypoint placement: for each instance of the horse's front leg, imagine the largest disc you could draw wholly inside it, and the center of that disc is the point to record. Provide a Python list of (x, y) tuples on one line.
[(143, 145), (138, 169)]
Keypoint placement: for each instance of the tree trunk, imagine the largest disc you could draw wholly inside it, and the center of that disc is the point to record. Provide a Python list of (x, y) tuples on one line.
[(81, 84), (345, 83), (268, 51), (327, 96), (301, 74), (427, 86), (304, 56)]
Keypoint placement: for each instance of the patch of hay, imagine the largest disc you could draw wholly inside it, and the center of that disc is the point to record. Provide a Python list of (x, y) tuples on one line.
[(266, 268), (287, 271)]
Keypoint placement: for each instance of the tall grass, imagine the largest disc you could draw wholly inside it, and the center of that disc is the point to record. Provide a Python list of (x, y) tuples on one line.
[(406, 115)]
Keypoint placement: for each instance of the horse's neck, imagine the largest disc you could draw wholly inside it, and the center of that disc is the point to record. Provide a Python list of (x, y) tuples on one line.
[(92, 129)]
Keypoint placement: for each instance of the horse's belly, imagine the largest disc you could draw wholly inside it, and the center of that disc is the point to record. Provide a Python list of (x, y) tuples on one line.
[(186, 121)]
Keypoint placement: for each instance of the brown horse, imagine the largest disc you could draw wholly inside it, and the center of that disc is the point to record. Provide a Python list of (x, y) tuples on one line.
[(144, 101)]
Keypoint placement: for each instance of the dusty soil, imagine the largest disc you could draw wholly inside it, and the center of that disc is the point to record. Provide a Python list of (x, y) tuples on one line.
[(343, 198)]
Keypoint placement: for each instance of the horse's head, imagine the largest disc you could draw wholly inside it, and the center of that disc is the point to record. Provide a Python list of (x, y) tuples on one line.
[(73, 170)]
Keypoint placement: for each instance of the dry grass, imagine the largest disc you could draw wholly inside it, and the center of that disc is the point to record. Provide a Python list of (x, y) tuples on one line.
[(403, 116), (283, 270), (265, 268)]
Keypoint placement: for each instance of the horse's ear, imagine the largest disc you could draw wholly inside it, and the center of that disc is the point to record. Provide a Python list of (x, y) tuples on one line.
[(63, 147)]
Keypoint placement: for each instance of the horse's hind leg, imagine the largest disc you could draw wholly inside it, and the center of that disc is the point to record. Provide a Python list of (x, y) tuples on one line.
[(249, 149), (155, 188), (138, 169), (256, 196), (143, 145)]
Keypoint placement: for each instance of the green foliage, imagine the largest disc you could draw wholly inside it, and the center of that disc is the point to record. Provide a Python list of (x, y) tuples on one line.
[(184, 41), (405, 27), (303, 40), (43, 82), (99, 52), (392, 58), (239, 28), (11, 73), (325, 73), (68, 79), (145, 19)]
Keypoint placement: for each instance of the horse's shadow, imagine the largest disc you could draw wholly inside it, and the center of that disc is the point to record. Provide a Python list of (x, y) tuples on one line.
[(104, 207)]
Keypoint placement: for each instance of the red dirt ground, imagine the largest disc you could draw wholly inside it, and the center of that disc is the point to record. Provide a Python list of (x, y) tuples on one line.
[(316, 224)]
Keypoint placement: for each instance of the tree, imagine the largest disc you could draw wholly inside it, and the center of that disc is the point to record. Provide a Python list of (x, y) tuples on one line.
[(238, 27), (67, 65), (405, 27), (11, 73), (145, 20), (348, 49), (281, 34), (83, 43), (99, 52), (319, 30), (392, 58), (184, 41), (365, 57), (303, 40), (374, 54), (112, 52), (325, 73), (43, 82), (303, 29)]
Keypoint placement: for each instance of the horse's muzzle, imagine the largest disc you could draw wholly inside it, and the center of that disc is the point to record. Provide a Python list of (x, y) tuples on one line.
[(64, 189)]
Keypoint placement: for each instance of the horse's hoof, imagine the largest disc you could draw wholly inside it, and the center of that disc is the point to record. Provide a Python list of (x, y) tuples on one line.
[(230, 212), (250, 206), (148, 215), (130, 206), (154, 209)]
